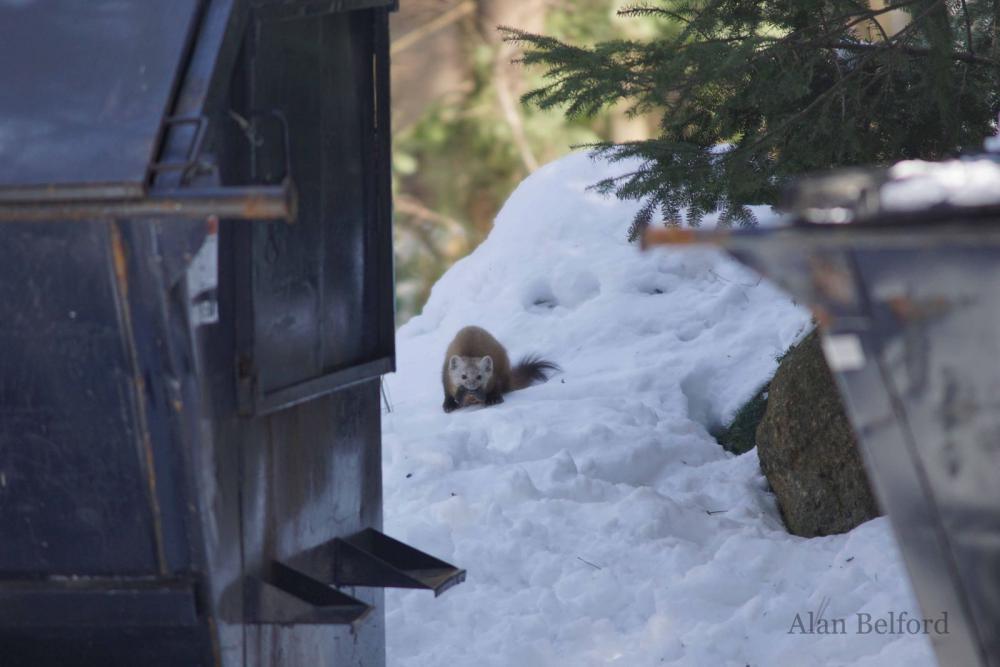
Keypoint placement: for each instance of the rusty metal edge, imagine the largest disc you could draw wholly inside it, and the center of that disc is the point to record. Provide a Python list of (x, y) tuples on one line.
[(262, 202)]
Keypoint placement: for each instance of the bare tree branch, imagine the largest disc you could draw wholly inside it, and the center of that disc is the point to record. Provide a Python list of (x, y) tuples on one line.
[(416, 35)]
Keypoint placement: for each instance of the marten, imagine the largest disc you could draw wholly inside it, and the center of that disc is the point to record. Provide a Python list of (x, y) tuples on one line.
[(477, 370)]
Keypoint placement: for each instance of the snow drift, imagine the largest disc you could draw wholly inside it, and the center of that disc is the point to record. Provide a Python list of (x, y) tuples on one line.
[(599, 521)]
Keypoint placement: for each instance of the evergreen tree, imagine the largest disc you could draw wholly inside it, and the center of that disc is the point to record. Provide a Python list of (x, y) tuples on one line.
[(752, 92)]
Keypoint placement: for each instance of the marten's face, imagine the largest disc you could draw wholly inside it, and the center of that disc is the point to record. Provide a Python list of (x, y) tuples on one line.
[(470, 376)]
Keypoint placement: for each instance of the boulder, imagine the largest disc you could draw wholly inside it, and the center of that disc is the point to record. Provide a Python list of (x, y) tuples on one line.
[(808, 451)]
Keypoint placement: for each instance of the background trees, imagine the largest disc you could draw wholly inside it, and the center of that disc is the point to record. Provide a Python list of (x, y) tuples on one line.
[(462, 138), (750, 93)]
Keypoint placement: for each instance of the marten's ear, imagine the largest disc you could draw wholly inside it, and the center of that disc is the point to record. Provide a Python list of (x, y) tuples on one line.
[(453, 362), (486, 364)]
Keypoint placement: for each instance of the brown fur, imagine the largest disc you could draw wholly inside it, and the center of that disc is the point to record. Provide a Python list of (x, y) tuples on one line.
[(477, 342)]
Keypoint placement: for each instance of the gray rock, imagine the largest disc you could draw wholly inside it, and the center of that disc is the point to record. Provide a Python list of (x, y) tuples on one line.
[(808, 451)]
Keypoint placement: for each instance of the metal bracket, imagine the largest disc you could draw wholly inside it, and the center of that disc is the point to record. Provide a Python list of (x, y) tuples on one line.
[(370, 558), (284, 596)]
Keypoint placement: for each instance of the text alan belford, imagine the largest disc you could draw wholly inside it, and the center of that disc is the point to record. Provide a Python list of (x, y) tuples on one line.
[(864, 623)]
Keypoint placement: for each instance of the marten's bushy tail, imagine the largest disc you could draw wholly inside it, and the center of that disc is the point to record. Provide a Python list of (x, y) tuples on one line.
[(529, 370)]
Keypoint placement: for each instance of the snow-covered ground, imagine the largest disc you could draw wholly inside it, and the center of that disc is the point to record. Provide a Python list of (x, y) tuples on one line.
[(598, 520)]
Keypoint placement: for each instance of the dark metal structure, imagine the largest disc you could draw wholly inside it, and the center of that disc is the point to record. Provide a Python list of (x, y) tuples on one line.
[(908, 302), (197, 308)]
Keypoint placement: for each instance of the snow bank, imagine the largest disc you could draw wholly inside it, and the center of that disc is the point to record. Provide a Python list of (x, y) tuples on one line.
[(599, 521)]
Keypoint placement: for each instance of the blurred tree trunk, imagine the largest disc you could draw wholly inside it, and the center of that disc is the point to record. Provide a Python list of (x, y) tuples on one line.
[(527, 15), (431, 56)]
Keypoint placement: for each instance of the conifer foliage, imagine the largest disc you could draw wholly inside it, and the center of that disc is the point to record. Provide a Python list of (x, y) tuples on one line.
[(752, 92)]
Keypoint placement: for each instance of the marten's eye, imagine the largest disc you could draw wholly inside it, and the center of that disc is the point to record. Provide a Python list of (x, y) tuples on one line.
[(465, 377), (479, 377)]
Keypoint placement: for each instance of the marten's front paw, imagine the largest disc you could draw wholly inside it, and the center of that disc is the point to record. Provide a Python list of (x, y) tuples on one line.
[(449, 404), (494, 400)]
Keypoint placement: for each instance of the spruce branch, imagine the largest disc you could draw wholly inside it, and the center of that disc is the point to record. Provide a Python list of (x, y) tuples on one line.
[(793, 87)]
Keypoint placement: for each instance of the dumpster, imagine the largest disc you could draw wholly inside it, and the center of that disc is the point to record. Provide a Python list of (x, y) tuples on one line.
[(195, 237), (901, 268)]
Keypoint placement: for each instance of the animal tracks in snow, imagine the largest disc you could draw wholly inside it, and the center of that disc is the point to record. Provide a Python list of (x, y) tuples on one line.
[(568, 290)]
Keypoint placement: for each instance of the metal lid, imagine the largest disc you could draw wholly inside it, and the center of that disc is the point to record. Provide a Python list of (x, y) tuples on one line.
[(83, 92)]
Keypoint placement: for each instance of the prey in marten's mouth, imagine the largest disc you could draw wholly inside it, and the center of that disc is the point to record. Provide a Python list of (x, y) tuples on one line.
[(477, 370), (466, 397)]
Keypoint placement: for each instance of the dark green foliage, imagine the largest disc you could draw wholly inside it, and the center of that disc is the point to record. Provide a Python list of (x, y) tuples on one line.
[(791, 87), (741, 434)]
